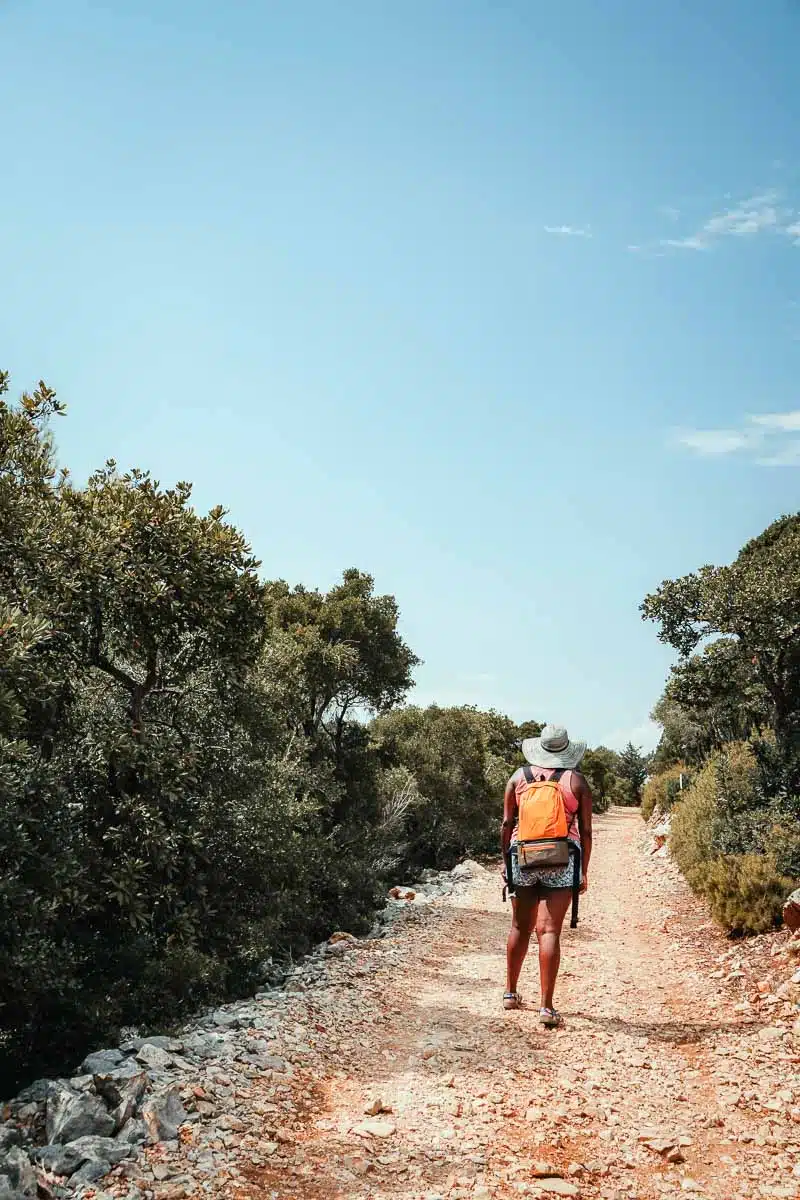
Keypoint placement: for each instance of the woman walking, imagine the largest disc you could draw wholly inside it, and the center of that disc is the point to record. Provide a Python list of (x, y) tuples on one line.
[(554, 799)]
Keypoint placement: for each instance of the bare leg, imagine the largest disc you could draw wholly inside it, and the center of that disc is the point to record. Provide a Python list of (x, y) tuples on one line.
[(550, 910), (522, 912)]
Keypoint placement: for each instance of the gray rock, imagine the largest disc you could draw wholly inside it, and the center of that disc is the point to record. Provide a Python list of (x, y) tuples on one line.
[(72, 1114), (173, 1045), (28, 1112), (179, 1063), (226, 1020), (154, 1057), (34, 1093), (468, 869), (101, 1062), (9, 1136), (8, 1191), (209, 1045), (163, 1114), (19, 1172), (335, 950), (133, 1133), (123, 1091), (248, 1012), (93, 1168), (81, 1083), (61, 1160), (272, 1062), (126, 1070), (65, 1160)]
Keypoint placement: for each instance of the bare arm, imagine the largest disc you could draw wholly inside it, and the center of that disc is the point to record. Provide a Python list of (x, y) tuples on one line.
[(583, 795), (509, 815)]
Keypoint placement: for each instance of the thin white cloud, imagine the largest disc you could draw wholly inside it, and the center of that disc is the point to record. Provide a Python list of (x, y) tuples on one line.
[(645, 251), (755, 215), (766, 439), (694, 242), (751, 216), (793, 231), (568, 231), (715, 441), (671, 213), (788, 422)]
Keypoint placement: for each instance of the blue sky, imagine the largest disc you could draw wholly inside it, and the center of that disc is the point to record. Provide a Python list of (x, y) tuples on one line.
[(497, 301)]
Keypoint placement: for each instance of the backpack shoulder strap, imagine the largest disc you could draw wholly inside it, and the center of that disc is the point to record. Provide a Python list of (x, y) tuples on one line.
[(527, 771)]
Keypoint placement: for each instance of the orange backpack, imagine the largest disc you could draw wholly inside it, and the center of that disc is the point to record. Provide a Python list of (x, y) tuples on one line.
[(542, 823)]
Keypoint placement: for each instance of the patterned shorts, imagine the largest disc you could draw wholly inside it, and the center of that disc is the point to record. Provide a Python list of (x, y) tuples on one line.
[(545, 877)]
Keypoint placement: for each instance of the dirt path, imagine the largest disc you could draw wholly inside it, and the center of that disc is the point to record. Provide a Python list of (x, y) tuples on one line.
[(665, 1056)]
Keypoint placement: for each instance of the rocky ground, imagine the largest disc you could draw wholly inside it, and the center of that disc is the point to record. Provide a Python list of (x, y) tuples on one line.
[(386, 1068)]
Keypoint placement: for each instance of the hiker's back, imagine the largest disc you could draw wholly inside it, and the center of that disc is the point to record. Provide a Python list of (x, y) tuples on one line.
[(538, 808)]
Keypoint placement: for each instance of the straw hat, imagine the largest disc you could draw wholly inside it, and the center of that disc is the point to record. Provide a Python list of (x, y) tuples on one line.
[(553, 748)]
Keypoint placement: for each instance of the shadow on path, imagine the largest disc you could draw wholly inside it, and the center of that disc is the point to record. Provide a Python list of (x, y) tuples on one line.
[(676, 1033)]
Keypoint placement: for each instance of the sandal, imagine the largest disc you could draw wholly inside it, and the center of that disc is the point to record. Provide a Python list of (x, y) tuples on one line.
[(550, 1018), (512, 1000)]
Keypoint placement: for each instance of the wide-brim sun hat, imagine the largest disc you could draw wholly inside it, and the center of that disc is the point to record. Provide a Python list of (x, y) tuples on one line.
[(553, 748)]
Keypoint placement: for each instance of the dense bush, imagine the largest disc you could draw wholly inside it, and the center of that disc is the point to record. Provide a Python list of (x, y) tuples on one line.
[(728, 845), (745, 892), (662, 791), (691, 839)]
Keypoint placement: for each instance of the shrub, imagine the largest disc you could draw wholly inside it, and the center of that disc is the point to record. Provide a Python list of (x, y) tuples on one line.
[(783, 841), (745, 892), (691, 840), (663, 790), (456, 762), (738, 851)]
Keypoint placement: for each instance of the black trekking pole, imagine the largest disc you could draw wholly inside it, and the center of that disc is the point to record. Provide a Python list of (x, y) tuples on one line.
[(509, 888), (576, 888)]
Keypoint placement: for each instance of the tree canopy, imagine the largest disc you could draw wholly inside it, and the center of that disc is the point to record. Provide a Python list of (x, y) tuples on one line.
[(756, 602), (632, 767)]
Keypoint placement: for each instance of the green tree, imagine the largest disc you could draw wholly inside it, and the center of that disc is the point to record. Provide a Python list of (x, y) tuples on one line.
[(756, 602), (683, 738), (459, 760), (344, 648), (528, 729), (711, 698), (632, 770), (601, 768), (157, 829)]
